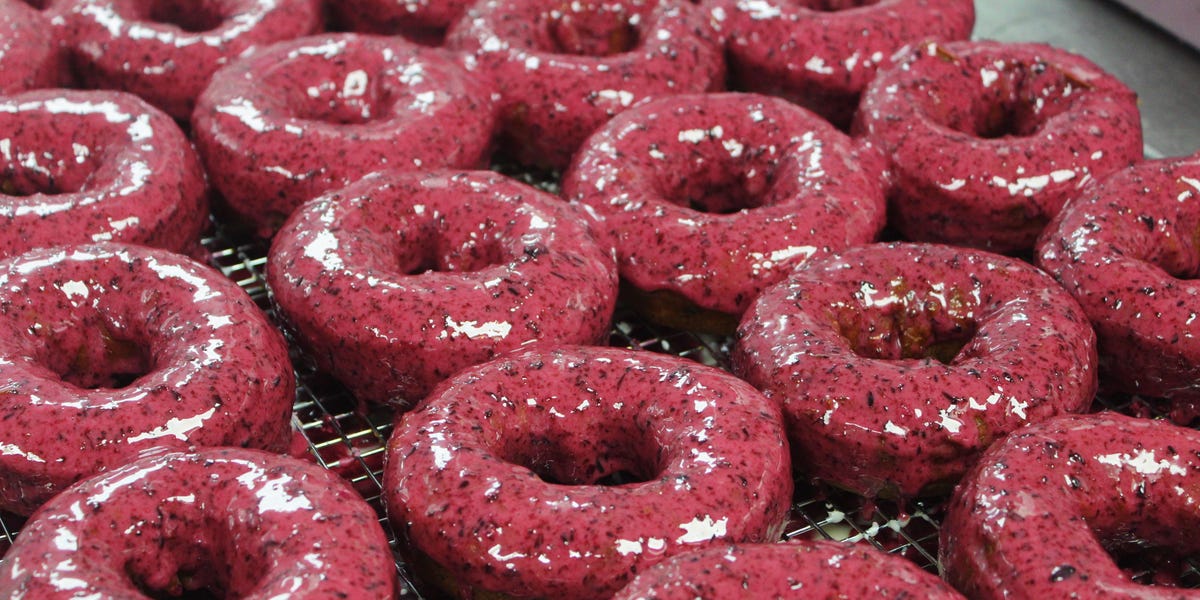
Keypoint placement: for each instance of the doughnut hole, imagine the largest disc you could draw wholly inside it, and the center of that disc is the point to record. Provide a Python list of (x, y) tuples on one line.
[(38, 4), (714, 181), (904, 321), (353, 91), (1152, 547), (591, 28), (836, 5), (92, 350), (1172, 245), (56, 167), (191, 16), (609, 453)]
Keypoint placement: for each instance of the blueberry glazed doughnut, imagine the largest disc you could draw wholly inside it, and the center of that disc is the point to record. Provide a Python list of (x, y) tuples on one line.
[(282, 126), (564, 68), (402, 279), (133, 348), (987, 141), (30, 57), (498, 479), (224, 523), (1043, 510), (419, 20), (897, 365), (1128, 251), (167, 50), (712, 198), (78, 167), (821, 54)]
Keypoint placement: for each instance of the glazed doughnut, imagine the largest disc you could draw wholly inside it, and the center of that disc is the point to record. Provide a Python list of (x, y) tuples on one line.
[(987, 140), (30, 57), (821, 54), (716, 197), (230, 522), (564, 68), (808, 569), (498, 479), (425, 21), (133, 347), (79, 167), (284, 125), (401, 279), (898, 364), (1128, 251), (1040, 513), (166, 51)]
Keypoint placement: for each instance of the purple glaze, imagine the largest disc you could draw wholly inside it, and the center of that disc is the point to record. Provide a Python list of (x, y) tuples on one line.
[(564, 68), (399, 280), (211, 371), (166, 51), (805, 569), (294, 120), (247, 523), (465, 478), (421, 20), (988, 140), (78, 167), (1033, 519), (1128, 251), (719, 196), (30, 57), (849, 345), (822, 54)]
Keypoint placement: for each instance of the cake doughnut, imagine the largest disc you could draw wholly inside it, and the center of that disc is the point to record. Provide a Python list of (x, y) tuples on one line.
[(229, 522), (282, 126), (400, 280), (166, 51), (1127, 249), (714, 197), (424, 21), (1039, 514), (30, 57), (804, 569), (987, 140), (821, 54), (564, 68), (898, 364), (79, 167), (132, 347), (565, 471)]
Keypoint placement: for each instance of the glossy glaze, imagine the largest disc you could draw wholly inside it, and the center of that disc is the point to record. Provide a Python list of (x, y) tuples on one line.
[(1129, 251), (1034, 519), (79, 167), (467, 475), (246, 523), (715, 197), (821, 54), (850, 346), (400, 280), (30, 57), (77, 321), (422, 20), (166, 51), (987, 141), (299, 118), (803, 569), (564, 68)]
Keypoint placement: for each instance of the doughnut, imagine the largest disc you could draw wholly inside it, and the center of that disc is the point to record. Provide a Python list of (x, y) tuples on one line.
[(898, 364), (1039, 514), (565, 471), (716, 197), (821, 54), (1128, 251), (987, 140), (564, 68), (806, 569), (231, 522), (81, 167), (424, 21), (134, 348), (30, 57), (399, 280), (296, 119), (166, 51)]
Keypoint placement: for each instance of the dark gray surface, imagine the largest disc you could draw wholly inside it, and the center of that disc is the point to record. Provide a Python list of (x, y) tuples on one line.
[(1164, 71)]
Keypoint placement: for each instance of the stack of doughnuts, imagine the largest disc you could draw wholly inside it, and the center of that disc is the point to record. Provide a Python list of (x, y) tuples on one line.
[(725, 168)]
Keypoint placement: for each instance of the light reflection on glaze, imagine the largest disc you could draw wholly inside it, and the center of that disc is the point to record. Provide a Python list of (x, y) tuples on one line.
[(1081, 481), (899, 421), (218, 373), (30, 56), (807, 194), (710, 449), (175, 517)]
